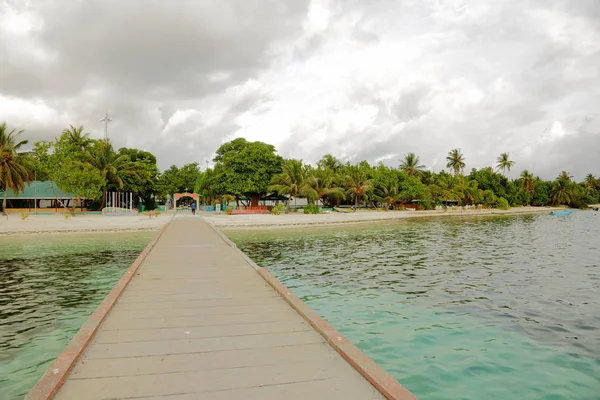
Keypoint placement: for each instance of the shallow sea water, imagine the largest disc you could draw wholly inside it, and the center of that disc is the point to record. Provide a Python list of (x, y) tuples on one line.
[(456, 308), (49, 285)]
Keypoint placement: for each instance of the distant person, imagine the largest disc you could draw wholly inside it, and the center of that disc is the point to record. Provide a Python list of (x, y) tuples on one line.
[(193, 208)]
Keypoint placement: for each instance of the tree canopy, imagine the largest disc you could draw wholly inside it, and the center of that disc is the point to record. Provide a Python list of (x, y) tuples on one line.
[(245, 169)]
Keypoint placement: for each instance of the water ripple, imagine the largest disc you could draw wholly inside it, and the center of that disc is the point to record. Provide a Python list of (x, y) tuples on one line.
[(457, 308)]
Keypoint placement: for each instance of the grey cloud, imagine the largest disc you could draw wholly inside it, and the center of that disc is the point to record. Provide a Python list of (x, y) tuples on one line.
[(143, 61), (145, 48)]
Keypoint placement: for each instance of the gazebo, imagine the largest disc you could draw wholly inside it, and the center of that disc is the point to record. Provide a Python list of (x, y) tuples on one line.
[(38, 195)]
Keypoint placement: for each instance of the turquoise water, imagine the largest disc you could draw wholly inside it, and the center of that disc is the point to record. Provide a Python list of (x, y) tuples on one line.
[(485, 308), (49, 285)]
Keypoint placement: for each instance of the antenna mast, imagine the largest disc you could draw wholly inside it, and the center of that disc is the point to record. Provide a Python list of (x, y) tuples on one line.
[(106, 120)]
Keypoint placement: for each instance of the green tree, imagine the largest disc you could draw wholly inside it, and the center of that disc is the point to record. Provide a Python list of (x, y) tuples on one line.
[(179, 180), (14, 167), (245, 168), (80, 178), (321, 185), (76, 138), (488, 179), (70, 169), (111, 165), (204, 187), (140, 176), (562, 189), (292, 181), (410, 165), (504, 163), (386, 186), (455, 161), (328, 161), (591, 183), (411, 188), (358, 183), (528, 184)]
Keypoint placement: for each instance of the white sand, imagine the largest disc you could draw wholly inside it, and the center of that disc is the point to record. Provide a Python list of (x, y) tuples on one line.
[(292, 220), (48, 224)]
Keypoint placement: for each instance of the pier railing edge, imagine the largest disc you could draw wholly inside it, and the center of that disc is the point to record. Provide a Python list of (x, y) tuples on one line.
[(57, 373), (368, 368)]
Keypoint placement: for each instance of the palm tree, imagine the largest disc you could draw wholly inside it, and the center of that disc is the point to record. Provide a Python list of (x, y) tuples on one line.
[(291, 180), (562, 189), (504, 163), (321, 185), (358, 183), (456, 161), (14, 169), (388, 193), (591, 182), (110, 164), (410, 164), (76, 137), (527, 182)]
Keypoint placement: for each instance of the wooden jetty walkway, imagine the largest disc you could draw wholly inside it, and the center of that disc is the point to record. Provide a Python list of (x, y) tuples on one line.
[(198, 320)]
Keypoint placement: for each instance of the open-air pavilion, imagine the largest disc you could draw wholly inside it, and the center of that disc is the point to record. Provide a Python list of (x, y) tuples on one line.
[(40, 196)]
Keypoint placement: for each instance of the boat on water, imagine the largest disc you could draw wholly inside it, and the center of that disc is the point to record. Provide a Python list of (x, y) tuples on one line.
[(565, 212)]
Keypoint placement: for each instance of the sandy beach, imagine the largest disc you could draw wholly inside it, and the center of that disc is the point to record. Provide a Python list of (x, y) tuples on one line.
[(294, 220), (48, 224)]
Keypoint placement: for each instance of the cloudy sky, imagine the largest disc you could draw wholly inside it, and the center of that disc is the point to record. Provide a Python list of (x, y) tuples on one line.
[(359, 79)]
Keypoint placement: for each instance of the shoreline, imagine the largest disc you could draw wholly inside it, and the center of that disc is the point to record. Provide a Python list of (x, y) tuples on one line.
[(96, 224), (297, 220), (81, 224)]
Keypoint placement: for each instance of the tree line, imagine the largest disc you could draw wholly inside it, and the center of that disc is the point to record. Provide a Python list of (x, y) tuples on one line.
[(246, 171)]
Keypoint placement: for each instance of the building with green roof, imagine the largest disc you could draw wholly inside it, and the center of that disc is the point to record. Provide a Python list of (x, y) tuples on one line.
[(43, 195)]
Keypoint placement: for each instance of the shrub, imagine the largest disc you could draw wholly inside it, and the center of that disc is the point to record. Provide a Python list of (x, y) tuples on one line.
[(228, 210), (579, 203), (427, 205), (23, 215), (311, 209), (278, 209), (502, 203)]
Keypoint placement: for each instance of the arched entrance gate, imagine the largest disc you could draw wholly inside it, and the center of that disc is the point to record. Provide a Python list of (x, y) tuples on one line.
[(178, 196)]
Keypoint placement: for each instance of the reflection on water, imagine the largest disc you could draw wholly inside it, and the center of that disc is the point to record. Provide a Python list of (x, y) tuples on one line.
[(48, 288), (488, 308)]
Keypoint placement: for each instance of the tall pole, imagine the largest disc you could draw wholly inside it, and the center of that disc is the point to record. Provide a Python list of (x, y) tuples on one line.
[(106, 120)]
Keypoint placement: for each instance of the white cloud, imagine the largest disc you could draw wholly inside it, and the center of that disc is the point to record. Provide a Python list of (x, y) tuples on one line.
[(362, 80)]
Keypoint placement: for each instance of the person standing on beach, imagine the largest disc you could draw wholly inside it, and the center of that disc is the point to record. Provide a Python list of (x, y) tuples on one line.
[(193, 208)]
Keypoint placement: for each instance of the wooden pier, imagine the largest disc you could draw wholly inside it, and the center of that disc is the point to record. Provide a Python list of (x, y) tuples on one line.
[(194, 318)]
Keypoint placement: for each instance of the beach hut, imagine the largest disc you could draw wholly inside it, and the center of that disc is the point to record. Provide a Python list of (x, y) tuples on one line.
[(38, 196)]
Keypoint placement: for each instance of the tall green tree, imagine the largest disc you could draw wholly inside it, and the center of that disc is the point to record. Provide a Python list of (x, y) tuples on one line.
[(204, 186), (455, 161), (77, 138), (70, 168), (528, 184), (111, 165), (591, 183), (291, 181), (14, 167), (358, 183), (330, 162), (179, 180), (504, 163), (141, 174), (321, 185), (245, 169), (562, 189), (410, 165)]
